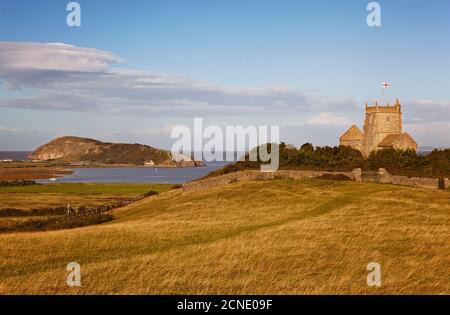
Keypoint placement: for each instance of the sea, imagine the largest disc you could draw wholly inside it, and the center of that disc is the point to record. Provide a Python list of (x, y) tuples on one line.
[(127, 174), (138, 174)]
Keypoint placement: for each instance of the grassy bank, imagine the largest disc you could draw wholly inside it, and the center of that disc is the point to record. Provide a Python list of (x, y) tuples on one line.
[(43, 207), (87, 189), (280, 237)]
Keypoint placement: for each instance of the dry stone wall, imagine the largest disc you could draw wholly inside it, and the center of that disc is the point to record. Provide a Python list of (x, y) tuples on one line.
[(258, 175), (383, 177), (386, 177)]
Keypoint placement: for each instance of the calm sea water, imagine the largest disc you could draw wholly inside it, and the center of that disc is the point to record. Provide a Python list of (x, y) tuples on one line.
[(126, 174), (138, 174)]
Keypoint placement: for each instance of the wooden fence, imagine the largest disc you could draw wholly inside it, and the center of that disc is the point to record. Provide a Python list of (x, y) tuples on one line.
[(82, 211)]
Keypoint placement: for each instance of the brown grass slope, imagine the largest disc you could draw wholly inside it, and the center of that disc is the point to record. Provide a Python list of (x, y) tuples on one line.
[(261, 237)]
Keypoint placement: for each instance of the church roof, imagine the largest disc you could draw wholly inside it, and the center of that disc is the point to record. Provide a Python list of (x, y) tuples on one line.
[(391, 140), (352, 134)]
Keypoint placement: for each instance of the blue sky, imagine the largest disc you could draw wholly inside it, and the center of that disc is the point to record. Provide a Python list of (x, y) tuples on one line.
[(321, 54)]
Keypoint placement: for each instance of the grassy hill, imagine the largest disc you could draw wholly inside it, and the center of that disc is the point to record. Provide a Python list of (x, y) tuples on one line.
[(282, 237), (76, 149)]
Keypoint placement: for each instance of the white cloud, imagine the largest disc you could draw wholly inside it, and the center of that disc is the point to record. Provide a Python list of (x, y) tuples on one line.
[(64, 77), (52, 56), (6, 129), (433, 133), (426, 111), (329, 119), (60, 77), (440, 129), (141, 132)]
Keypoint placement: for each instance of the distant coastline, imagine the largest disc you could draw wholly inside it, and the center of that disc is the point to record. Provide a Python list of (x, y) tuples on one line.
[(22, 169), (14, 155), (22, 156)]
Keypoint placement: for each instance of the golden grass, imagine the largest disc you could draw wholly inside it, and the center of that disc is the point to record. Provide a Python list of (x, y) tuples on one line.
[(59, 195), (262, 237), (41, 201), (30, 173), (39, 205)]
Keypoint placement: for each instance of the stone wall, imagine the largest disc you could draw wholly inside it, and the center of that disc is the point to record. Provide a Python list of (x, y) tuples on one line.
[(383, 177), (357, 175), (255, 175), (386, 177)]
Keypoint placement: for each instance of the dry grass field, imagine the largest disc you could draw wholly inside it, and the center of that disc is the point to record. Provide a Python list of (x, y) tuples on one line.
[(59, 195), (261, 237), (27, 207)]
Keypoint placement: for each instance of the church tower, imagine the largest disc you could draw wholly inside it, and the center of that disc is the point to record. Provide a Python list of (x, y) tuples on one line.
[(380, 122), (382, 129)]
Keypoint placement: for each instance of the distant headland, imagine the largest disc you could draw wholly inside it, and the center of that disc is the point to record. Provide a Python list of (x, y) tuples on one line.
[(90, 152)]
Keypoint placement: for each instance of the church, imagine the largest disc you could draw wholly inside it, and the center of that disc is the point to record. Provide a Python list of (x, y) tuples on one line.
[(382, 129)]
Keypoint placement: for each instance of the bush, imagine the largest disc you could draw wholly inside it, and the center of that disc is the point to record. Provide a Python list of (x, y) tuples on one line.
[(346, 159), (151, 193)]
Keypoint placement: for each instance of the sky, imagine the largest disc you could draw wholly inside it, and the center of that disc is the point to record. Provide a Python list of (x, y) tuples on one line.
[(135, 69)]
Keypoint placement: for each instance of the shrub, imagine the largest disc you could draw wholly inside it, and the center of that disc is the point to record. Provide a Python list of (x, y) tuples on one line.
[(151, 193), (345, 159)]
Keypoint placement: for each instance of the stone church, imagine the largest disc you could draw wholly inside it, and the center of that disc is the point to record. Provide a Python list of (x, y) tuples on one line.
[(382, 129)]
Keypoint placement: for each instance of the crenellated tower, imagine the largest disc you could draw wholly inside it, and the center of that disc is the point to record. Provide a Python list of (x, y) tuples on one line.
[(382, 129), (380, 122)]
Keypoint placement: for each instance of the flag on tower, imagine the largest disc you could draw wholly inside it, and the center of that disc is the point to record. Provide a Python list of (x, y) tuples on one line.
[(386, 85)]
